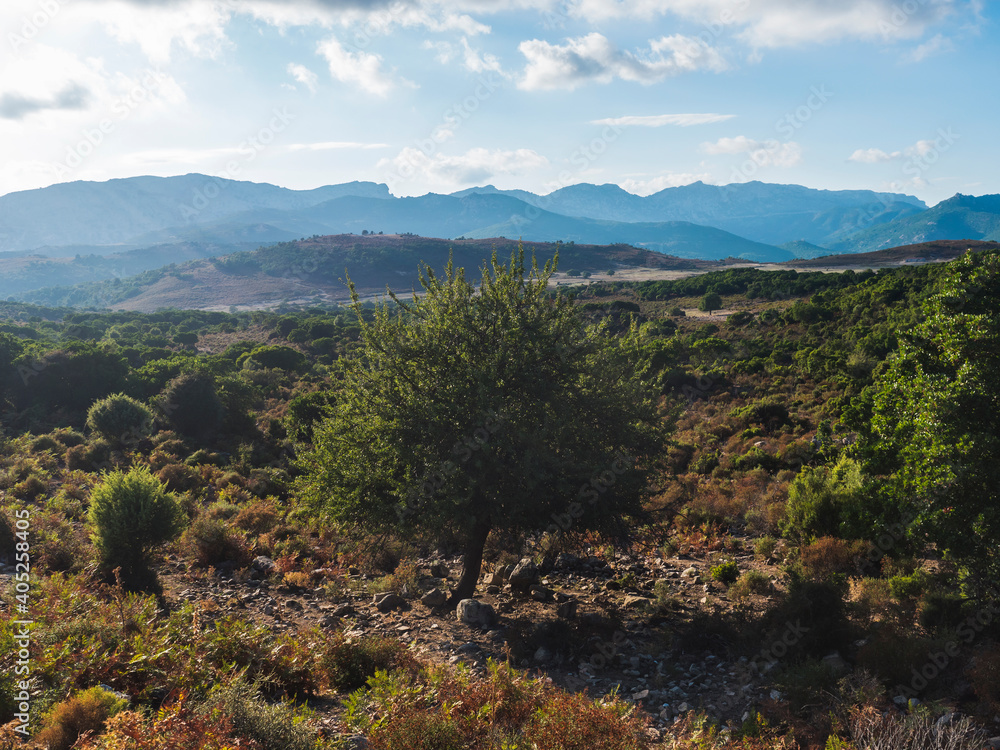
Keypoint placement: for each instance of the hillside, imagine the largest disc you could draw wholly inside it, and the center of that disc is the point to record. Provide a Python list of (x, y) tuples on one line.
[(925, 252), (959, 217), (313, 270)]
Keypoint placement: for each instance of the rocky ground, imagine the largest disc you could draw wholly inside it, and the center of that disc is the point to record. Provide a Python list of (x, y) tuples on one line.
[(575, 621)]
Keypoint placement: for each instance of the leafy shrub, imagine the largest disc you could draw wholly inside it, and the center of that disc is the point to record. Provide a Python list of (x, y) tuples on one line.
[(46, 443), (751, 582), (179, 478), (259, 517), (191, 404), (764, 546), (84, 712), (347, 664), (273, 726), (131, 514), (829, 556), (210, 542), (820, 498), (726, 572), (940, 610), (88, 456), (120, 419), (910, 586), (872, 600)]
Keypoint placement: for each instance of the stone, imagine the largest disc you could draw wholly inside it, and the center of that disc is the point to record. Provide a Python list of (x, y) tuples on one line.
[(543, 655), (293, 604), (684, 708), (689, 572), (542, 594), (492, 578), (836, 664), (434, 598), (468, 648), (388, 601), (264, 564), (475, 612), (567, 610), (523, 575), (439, 570), (641, 695), (775, 695)]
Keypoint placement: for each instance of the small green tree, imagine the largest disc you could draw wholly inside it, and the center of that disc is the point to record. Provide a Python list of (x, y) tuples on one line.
[(822, 501), (131, 513), (474, 409), (711, 301), (191, 404), (120, 419)]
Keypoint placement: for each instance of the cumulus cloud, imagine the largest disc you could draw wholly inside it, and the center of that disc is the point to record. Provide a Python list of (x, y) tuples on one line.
[(764, 153), (361, 69), (658, 121), (303, 75), (873, 155), (474, 166), (593, 58)]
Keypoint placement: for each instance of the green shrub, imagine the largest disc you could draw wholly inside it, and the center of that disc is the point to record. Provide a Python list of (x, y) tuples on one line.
[(84, 712), (820, 498), (348, 664), (273, 726), (131, 514), (120, 419), (191, 404), (764, 546), (726, 572), (88, 456), (910, 586), (941, 610), (751, 582)]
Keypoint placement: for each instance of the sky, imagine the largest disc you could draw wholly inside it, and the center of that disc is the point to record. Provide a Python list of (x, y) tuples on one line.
[(438, 96)]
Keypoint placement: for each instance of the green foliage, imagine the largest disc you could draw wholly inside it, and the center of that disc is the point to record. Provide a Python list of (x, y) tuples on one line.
[(120, 419), (84, 712), (191, 404), (252, 717), (726, 572), (910, 586), (348, 664), (470, 408), (711, 301), (821, 499), (934, 418), (275, 357), (131, 513)]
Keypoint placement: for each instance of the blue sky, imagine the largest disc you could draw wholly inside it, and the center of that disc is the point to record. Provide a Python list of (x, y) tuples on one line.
[(428, 95)]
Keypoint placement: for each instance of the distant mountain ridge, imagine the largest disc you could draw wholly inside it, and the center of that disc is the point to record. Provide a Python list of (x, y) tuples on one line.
[(132, 213)]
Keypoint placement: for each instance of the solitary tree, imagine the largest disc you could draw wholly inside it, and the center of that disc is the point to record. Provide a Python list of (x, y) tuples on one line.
[(469, 410), (934, 436), (711, 301)]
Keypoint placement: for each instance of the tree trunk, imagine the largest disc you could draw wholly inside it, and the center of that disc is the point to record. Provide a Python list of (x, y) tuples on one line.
[(472, 562)]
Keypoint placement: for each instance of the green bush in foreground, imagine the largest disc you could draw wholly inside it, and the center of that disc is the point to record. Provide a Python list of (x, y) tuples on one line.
[(131, 514)]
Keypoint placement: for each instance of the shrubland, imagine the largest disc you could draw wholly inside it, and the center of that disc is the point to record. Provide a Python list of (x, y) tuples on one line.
[(824, 449)]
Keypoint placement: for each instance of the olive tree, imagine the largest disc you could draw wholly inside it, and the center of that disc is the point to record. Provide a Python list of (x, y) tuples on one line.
[(470, 409)]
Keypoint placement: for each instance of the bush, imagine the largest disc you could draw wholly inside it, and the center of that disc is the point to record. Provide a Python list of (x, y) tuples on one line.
[(348, 664), (820, 499), (751, 582), (210, 542), (84, 712), (259, 517), (131, 514), (191, 404), (910, 586), (829, 556), (120, 419), (941, 610), (985, 676), (764, 546), (273, 726), (726, 572), (88, 456)]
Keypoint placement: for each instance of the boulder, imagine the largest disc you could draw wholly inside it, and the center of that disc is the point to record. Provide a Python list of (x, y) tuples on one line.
[(524, 574), (388, 601), (475, 612), (264, 564), (434, 598)]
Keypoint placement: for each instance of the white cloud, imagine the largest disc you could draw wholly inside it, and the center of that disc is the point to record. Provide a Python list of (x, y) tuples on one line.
[(781, 23), (361, 69), (764, 153), (477, 62), (334, 145), (657, 121), (475, 166), (592, 58), (872, 156), (444, 51), (662, 182), (303, 75), (932, 46), (877, 155)]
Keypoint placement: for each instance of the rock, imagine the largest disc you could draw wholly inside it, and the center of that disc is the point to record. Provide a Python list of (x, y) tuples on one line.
[(948, 718), (355, 742), (434, 598), (567, 610), (993, 743), (641, 695), (468, 648), (493, 590), (475, 612), (684, 708), (542, 594), (439, 570), (388, 601), (343, 610), (492, 578), (690, 572), (263, 564), (294, 604), (775, 695), (836, 664), (523, 575), (634, 602), (543, 655)]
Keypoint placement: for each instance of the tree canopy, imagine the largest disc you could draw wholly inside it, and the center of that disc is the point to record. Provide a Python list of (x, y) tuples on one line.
[(472, 409)]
